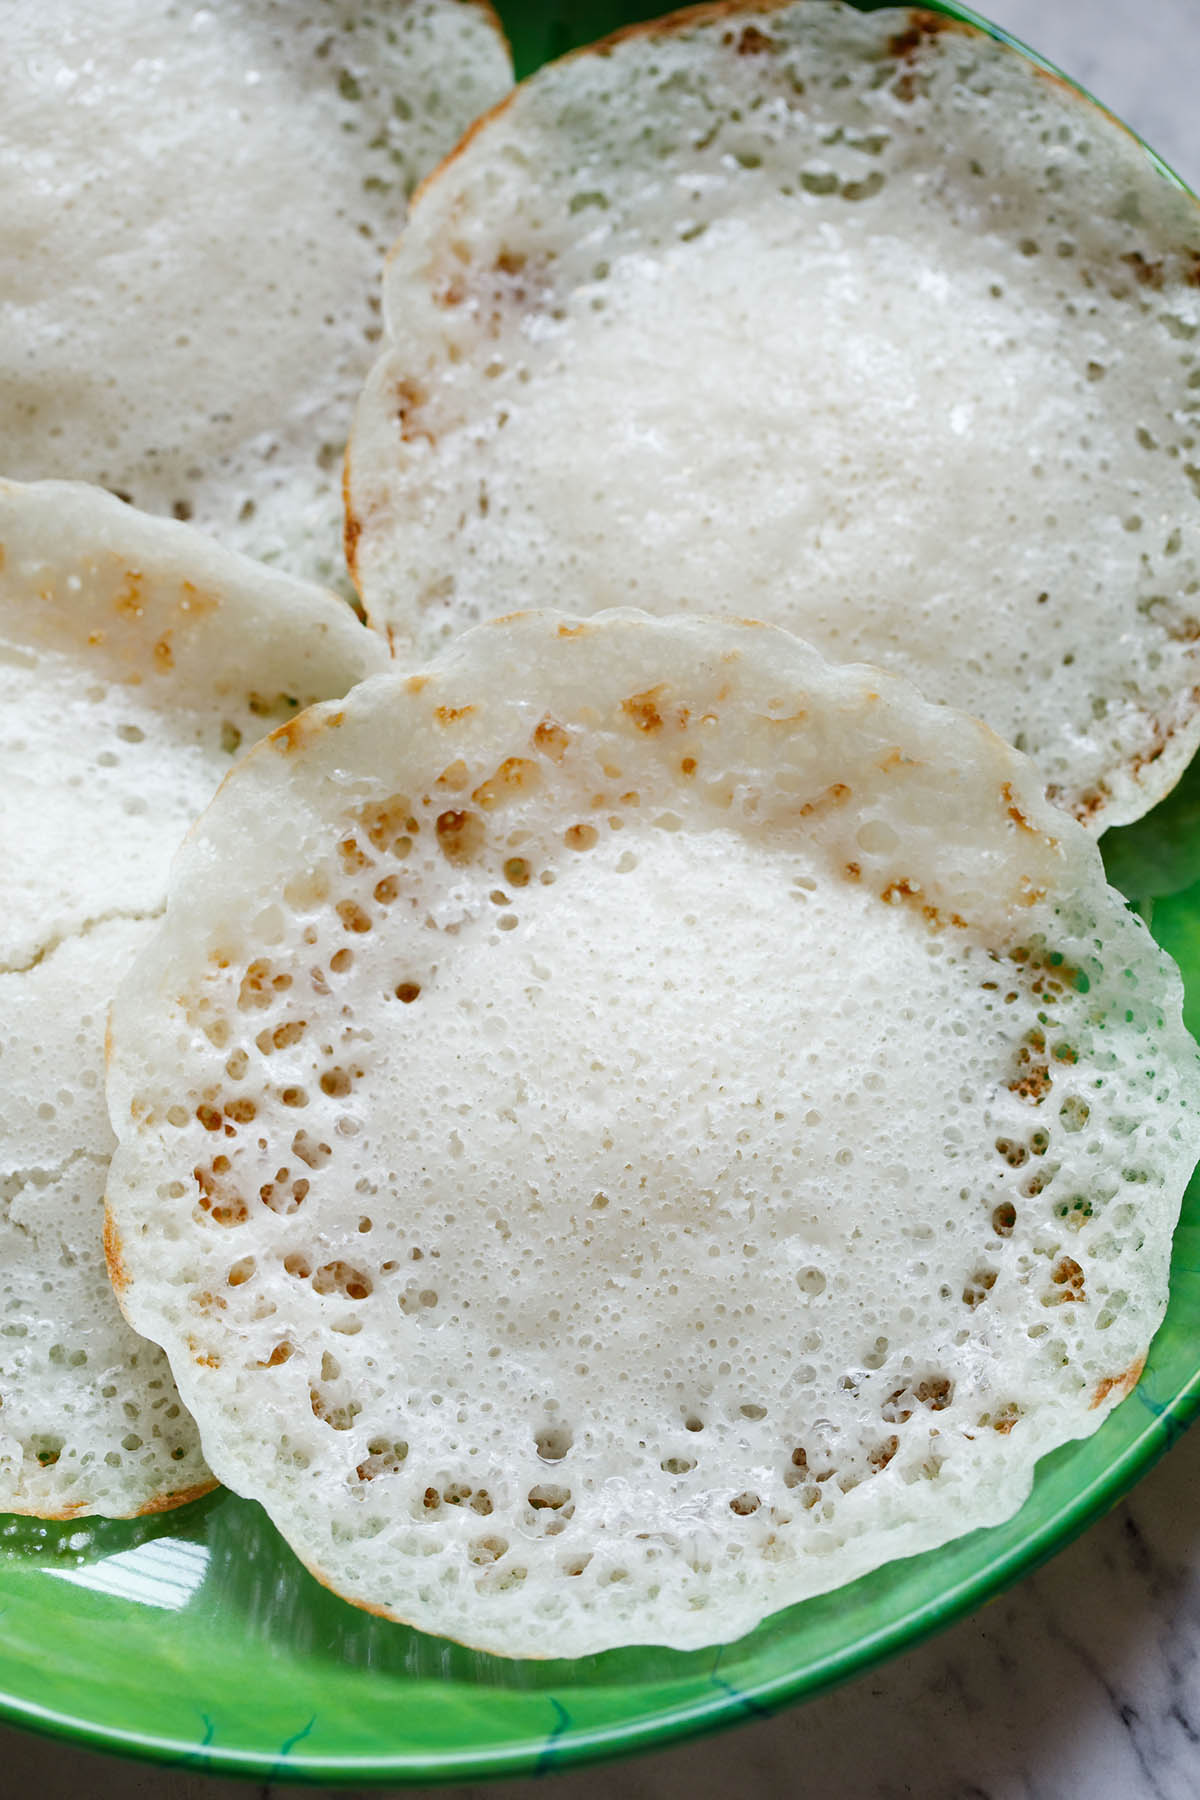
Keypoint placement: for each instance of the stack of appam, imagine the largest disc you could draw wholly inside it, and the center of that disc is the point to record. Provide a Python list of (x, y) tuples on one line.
[(193, 211), (136, 657), (627, 1123)]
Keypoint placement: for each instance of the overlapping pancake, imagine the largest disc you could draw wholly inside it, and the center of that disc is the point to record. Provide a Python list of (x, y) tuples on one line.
[(634, 1125), (135, 659), (856, 322), (194, 204)]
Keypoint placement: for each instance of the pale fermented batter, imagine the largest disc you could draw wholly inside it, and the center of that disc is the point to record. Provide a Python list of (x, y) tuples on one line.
[(194, 206), (633, 1126), (852, 322), (135, 659)]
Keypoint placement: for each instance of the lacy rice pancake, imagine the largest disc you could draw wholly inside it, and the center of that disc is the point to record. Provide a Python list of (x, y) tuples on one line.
[(135, 658), (194, 205), (632, 1126), (855, 322)]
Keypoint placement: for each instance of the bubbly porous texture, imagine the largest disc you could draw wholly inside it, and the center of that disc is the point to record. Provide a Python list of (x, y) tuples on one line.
[(857, 323), (194, 206), (633, 1126), (135, 658), (90, 1420)]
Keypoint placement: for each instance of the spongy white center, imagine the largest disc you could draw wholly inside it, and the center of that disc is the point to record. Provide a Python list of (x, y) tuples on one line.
[(919, 402)]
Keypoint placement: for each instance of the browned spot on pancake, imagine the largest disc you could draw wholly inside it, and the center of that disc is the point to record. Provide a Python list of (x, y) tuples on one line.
[(1161, 734), (390, 825), (447, 715), (299, 732), (1067, 1275), (514, 776), (68, 1512), (460, 835), (415, 683), (550, 738), (750, 41), (455, 776), (450, 291), (352, 529), (118, 1274), (176, 1497), (835, 795), (1148, 274), (1032, 1080), (1121, 1384), (1088, 804), (128, 603), (1014, 811), (921, 27), (574, 631), (643, 708), (218, 1197), (410, 397)]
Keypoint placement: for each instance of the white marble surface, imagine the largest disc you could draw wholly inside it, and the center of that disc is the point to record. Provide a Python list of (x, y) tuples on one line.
[(1141, 57), (1084, 1682)]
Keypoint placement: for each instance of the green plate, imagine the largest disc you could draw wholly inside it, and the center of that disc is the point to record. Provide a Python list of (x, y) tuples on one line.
[(196, 1639)]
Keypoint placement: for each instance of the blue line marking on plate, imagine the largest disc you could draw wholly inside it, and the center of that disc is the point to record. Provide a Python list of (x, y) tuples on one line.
[(755, 1708), (546, 1757), (196, 1759), (280, 1765), (747, 1702), (289, 1744), (1164, 1414)]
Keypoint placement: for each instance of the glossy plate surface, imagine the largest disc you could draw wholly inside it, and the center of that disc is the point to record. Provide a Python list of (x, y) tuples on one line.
[(196, 1638)]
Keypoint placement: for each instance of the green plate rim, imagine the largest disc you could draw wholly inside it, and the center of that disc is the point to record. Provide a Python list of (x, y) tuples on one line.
[(719, 1709), (720, 1706)]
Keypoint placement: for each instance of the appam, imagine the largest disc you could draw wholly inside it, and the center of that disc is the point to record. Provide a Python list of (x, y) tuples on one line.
[(633, 1125), (859, 323), (194, 205), (135, 658)]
